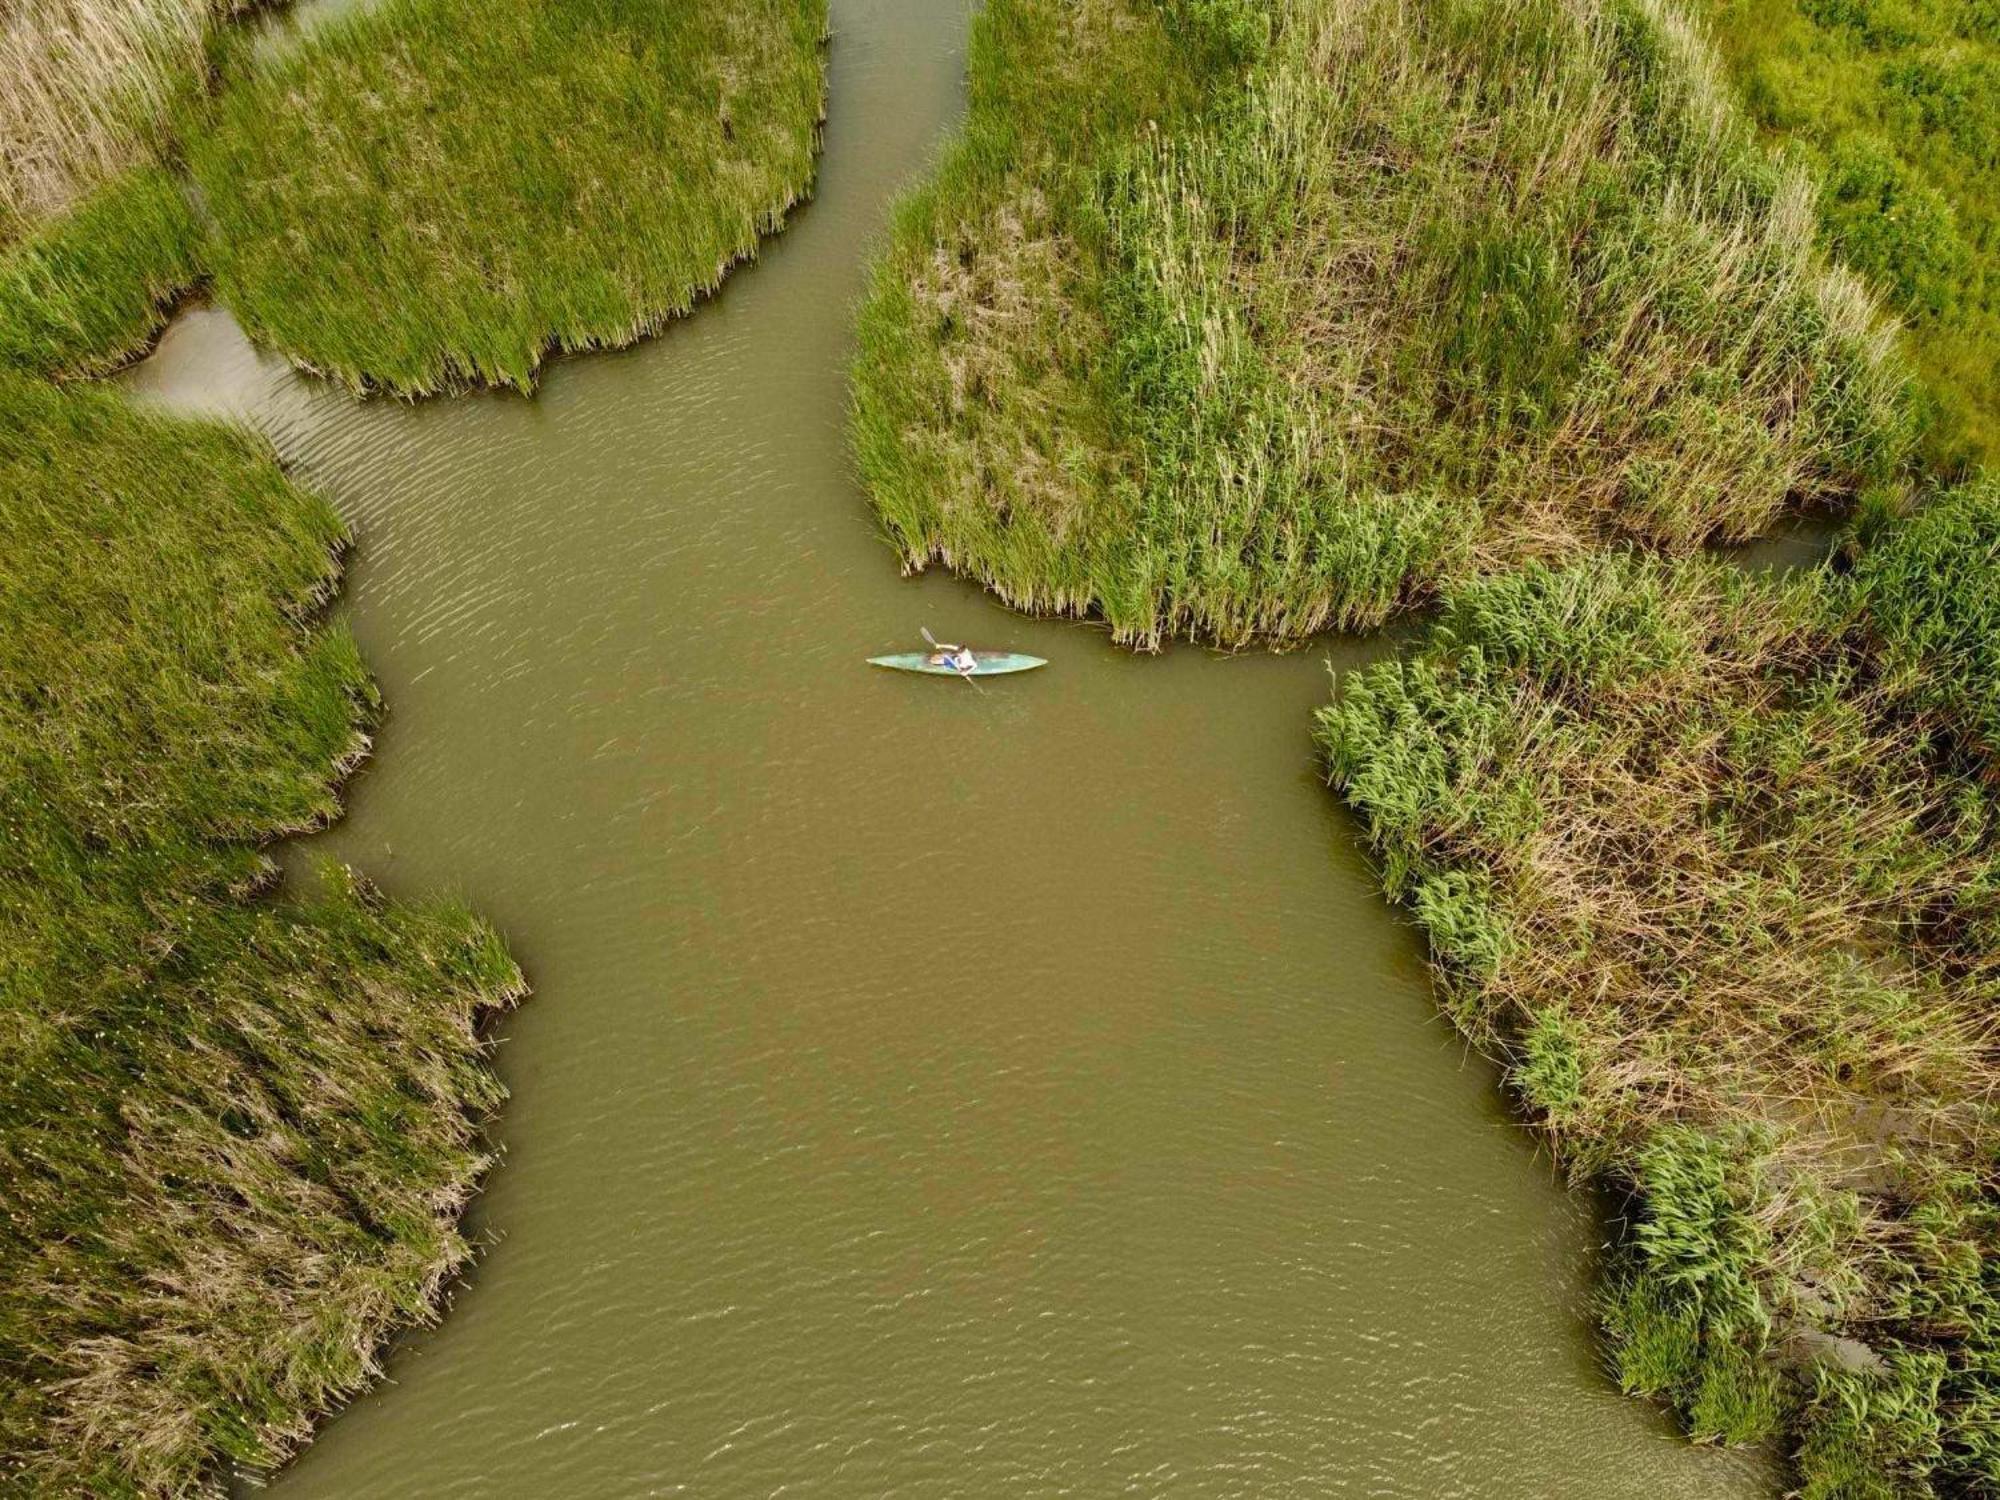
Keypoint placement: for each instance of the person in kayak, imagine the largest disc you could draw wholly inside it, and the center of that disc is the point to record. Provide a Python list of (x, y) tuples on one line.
[(959, 658)]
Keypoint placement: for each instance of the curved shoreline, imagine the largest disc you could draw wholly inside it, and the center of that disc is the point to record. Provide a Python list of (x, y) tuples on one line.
[(209, 1253), (463, 229)]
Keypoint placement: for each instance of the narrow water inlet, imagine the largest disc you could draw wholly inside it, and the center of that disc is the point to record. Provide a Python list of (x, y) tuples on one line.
[(926, 1091)]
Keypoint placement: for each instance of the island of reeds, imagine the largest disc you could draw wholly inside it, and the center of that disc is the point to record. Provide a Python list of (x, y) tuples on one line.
[(414, 196), (438, 192), (1242, 319), (237, 1126)]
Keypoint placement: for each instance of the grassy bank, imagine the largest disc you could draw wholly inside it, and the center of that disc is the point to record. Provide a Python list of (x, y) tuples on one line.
[(86, 291), (1334, 305), (1897, 106), (234, 1133), (1236, 320), (437, 192), (422, 195), (1710, 863)]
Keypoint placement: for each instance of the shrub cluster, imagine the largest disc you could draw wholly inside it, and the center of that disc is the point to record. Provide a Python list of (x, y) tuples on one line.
[(1896, 104)]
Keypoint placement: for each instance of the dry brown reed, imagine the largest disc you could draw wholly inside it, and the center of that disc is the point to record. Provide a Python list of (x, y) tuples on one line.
[(86, 87)]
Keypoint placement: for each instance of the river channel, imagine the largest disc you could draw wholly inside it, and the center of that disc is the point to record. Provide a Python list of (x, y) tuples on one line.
[(926, 1090)]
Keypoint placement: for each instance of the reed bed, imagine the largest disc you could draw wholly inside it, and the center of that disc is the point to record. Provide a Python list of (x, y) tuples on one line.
[(1934, 615), (235, 1133), (1711, 864), (435, 193), (1368, 298), (1895, 104)]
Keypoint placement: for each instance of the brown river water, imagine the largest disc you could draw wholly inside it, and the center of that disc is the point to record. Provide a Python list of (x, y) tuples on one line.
[(927, 1091)]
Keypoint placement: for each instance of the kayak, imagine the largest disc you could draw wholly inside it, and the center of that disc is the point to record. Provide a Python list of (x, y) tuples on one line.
[(984, 663)]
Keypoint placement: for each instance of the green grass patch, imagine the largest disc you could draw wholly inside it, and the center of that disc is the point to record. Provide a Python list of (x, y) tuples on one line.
[(234, 1133), (1935, 614), (1896, 105), (436, 192), (1711, 864), (1333, 306), (96, 237), (87, 291)]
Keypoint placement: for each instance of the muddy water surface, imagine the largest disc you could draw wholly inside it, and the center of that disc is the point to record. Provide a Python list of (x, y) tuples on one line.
[(927, 1091)]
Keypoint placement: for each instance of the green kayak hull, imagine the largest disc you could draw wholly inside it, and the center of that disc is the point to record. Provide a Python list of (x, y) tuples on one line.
[(985, 663)]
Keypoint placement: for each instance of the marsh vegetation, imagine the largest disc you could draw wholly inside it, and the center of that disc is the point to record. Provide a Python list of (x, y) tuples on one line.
[(84, 292), (414, 197), (235, 1132), (1711, 862), (1323, 312), (96, 237), (91, 88), (1335, 305), (432, 193), (1228, 320)]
